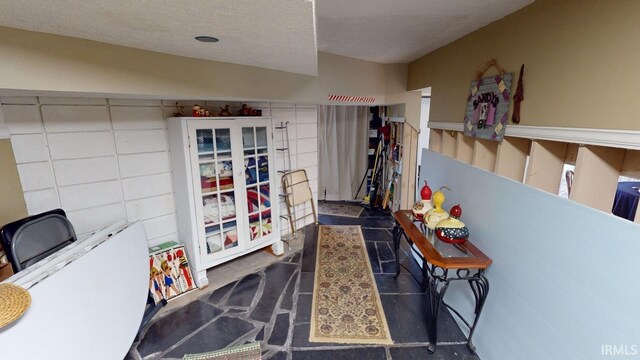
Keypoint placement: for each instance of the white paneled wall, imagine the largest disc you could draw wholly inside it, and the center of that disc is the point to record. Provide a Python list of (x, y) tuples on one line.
[(100, 160), (303, 145), (103, 160)]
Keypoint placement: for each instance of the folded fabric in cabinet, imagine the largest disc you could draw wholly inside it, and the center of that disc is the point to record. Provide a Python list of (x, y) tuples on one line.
[(208, 170), (213, 244), (250, 172), (212, 214), (263, 169), (259, 231), (210, 184), (230, 239), (259, 201)]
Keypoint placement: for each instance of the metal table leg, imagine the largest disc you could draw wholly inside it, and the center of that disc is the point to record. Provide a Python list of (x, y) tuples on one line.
[(480, 287), (435, 282), (425, 276), (437, 285)]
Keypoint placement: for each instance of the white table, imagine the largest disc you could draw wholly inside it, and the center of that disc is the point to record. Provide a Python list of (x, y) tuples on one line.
[(87, 299)]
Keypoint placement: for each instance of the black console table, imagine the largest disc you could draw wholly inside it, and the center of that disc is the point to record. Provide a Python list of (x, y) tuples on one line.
[(443, 263)]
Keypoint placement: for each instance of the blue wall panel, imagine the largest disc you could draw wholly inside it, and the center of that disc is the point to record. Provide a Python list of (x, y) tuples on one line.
[(564, 278)]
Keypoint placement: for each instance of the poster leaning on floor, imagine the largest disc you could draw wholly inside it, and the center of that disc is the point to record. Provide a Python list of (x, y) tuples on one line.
[(169, 271)]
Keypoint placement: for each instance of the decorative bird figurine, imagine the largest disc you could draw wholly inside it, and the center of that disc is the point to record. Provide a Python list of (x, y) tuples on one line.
[(421, 207), (452, 230), (224, 111), (435, 215)]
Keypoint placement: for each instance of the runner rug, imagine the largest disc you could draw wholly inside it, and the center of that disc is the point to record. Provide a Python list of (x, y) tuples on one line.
[(337, 209), (346, 305)]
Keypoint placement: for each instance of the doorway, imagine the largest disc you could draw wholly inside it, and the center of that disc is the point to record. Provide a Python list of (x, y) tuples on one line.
[(343, 144)]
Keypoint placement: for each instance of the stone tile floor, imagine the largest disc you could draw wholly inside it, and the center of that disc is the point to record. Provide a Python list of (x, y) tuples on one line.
[(273, 306)]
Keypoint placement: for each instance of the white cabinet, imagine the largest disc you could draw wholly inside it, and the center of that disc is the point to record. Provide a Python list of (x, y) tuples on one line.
[(225, 190)]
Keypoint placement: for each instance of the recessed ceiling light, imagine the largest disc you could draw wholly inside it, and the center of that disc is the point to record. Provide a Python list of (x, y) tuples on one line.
[(209, 39)]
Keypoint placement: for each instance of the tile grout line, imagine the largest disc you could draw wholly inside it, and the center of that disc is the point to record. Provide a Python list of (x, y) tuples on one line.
[(187, 337), (294, 310), (225, 312), (375, 245), (272, 321), (259, 291)]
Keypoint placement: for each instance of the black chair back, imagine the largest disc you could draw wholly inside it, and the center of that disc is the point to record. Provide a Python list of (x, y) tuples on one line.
[(33, 238)]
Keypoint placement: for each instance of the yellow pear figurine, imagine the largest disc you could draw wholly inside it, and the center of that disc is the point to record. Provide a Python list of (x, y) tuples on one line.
[(435, 215)]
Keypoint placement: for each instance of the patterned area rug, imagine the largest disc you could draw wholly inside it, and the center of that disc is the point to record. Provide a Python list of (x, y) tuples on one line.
[(346, 305), (338, 209)]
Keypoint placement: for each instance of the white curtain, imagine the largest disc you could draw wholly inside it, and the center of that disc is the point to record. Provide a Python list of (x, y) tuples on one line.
[(343, 141)]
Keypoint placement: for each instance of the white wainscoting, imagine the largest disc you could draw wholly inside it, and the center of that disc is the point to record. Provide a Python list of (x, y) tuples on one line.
[(564, 276), (104, 160)]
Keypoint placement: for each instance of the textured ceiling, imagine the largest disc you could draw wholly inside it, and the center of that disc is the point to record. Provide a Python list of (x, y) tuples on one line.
[(273, 34), (400, 31)]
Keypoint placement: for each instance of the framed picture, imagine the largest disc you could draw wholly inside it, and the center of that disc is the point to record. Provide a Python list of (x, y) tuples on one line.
[(169, 271)]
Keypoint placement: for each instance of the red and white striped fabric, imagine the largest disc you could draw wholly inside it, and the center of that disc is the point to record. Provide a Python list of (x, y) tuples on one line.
[(354, 99)]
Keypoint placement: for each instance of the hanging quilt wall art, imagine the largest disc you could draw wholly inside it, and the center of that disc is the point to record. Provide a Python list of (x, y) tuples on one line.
[(487, 110)]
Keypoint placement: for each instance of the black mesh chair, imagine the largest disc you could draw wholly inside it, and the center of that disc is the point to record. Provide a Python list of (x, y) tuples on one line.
[(33, 238)]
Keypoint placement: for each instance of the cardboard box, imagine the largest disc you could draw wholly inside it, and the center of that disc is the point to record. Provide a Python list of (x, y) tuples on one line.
[(5, 271)]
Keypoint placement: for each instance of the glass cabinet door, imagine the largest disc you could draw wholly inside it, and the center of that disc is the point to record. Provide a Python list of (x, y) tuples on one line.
[(257, 167), (217, 189)]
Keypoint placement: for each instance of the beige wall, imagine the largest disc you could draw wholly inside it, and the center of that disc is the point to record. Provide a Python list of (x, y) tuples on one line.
[(12, 205), (396, 93), (41, 63), (581, 58), (44, 62), (407, 104)]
